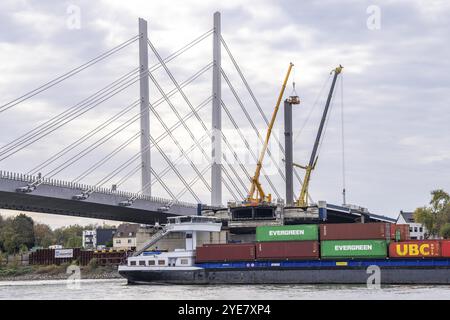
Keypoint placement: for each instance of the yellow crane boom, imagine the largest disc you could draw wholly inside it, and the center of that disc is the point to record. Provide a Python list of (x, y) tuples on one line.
[(256, 185)]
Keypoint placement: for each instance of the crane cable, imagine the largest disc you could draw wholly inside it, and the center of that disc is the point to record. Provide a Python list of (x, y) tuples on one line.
[(343, 141), (250, 91)]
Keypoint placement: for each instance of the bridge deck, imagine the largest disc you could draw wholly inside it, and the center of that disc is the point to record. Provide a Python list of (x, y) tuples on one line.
[(56, 198)]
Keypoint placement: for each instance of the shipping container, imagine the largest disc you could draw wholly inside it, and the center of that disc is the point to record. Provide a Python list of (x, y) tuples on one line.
[(355, 231), (445, 248), (226, 252), (415, 249), (288, 233), (332, 249), (400, 232), (287, 250)]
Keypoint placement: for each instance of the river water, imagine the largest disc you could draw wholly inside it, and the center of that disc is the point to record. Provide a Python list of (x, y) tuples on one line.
[(118, 290)]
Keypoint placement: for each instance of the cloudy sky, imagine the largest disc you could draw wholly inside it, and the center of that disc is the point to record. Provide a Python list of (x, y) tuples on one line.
[(395, 88)]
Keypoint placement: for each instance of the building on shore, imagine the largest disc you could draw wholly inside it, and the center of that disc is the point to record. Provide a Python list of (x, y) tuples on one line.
[(125, 236), (100, 237), (416, 230)]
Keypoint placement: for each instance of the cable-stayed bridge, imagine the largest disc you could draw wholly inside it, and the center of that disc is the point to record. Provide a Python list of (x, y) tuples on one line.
[(41, 190)]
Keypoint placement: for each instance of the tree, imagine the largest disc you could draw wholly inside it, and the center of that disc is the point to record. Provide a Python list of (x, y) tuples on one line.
[(43, 235), (436, 215), (66, 236), (73, 242), (9, 239), (17, 233), (24, 228), (425, 216), (445, 231)]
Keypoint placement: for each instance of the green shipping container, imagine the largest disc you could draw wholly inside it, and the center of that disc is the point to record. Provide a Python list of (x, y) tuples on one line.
[(287, 233), (332, 249)]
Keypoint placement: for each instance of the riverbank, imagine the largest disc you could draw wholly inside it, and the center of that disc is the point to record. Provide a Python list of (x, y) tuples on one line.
[(53, 272)]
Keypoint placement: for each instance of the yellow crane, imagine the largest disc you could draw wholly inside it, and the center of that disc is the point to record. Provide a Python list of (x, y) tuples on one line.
[(256, 194), (303, 198)]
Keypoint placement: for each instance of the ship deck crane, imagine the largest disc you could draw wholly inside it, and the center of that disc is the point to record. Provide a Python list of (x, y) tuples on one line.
[(256, 194), (303, 198)]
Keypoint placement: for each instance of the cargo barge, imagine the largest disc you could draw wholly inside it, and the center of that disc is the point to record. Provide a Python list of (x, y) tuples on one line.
[(298, 257)]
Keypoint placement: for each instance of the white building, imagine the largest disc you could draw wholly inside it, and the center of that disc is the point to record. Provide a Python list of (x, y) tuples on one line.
[(125, 237), (416, 230), (89, 239)]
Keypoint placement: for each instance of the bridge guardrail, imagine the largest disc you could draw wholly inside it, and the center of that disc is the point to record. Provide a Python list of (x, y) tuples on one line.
[(9, 175)]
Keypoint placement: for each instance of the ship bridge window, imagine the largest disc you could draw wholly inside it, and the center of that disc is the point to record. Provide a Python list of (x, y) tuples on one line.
[(142, 262), (151, 262), (161, 262), (132, 263), (184, 261)]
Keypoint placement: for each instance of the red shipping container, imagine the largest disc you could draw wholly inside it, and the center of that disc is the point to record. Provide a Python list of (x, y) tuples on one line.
[(415, 249), (287, 250), (445, 248), (355, 231), (403, 229), (226, 252)]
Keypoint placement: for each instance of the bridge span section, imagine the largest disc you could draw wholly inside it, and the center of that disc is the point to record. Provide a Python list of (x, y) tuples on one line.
[(59, 197)]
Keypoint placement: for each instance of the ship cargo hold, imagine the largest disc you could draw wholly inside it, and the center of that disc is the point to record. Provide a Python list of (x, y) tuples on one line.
[(287, 233), (287, 250), (415, 249), (355, 231), (332, 249)]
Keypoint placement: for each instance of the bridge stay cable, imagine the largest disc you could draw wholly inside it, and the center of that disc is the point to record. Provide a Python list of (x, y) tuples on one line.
[(192, 182), (128, 175), (180, 148), (57, 119), (36, 183), (90, 148), (110, 120), (4, 155), (67, 75), (255, 129), (247, 145), (188, 130), (169, 73), (106, 158), (105, 92), (252, 95), (162, 173), (118, 149), (82, 139)]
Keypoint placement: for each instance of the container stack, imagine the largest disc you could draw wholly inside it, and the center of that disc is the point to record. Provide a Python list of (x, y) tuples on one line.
[(354, 240), (376, 240), (291, 242)]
